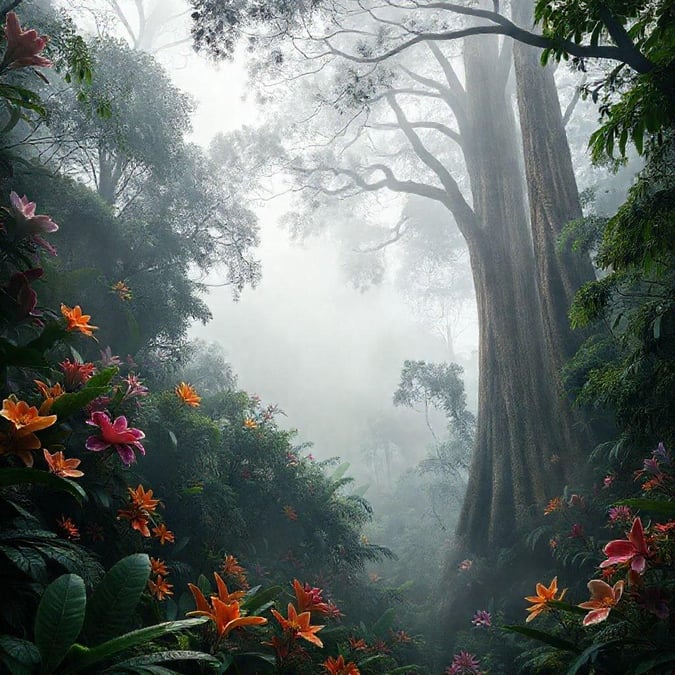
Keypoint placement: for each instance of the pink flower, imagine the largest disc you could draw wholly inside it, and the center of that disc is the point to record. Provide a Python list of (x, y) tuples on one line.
[(29, 224), (482, 619), (117, 435), (607, 481), (603, 598), (135, 388), (633, 550), (463, 663), (109, 359), (620, 514), (23, 46)]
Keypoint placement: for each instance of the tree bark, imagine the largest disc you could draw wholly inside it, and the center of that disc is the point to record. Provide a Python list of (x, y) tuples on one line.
[(522, 424)]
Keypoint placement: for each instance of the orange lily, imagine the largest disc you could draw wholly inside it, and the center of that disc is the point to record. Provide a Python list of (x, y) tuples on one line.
[(163, 534), (75, 320), (543, 597), (603, 598), (223, 594), (13, 442), (250, 423), (339, 667), (556, 504), (59, 465), (298, 625), (226, 615), (25, 418), (160, 588), (50, 394), (143, 500), (138, 519), (188, 394), (231, 567), (69, 528)]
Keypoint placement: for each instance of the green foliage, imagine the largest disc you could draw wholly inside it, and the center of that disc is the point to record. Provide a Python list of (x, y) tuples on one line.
[(16, 476), (111, 607), (59, 619)]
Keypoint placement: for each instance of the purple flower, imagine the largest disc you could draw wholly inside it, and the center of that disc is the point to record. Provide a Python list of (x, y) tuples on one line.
[(463, 663), (651, 466), (482, 619), (662, 454), (117, 435)]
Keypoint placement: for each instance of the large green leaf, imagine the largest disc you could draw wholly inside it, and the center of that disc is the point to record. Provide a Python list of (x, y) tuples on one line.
[(653, 505), (24, 476), (59, 619), (163, 657), (253, 603), (589, 655), (82, 658), (541, 636), (111, 608), (20, 656), (98, 385), (646, 665)]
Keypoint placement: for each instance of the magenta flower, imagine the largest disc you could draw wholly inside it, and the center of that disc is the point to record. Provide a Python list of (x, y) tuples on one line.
[(482, 619), (463, 663), (620, 514), (23, 46), (19, 296), (29, 224), (117, 435), (135, 388), (633, 550)]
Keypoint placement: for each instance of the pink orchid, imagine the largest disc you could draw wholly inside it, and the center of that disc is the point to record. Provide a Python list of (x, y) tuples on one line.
[(116, 434), (603, 598), (633, 550), (29, 224), (23, 46)]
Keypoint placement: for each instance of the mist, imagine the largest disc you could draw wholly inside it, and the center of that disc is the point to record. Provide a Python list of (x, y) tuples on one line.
[(329, 332)]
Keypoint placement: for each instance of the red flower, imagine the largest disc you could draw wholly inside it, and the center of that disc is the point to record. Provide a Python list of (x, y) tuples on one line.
[(633, 550)]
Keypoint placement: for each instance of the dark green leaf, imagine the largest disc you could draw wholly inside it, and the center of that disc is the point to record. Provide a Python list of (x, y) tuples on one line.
[(544, 637), (59, 619), (111, 608), (25, 476)]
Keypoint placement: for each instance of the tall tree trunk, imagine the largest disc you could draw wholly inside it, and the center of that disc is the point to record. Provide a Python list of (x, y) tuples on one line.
[(522, 425), (552, 192)]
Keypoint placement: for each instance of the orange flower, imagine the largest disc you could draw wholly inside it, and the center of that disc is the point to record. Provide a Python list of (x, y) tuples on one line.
[(188, 394), (138, 519), (163, 534), (160, 588), (231, 567), (556, 504), (223, 594), (77, 321), (290, 513), (158, 567), (309, 599), (50, 394), (13, 442), (357, 645), (25, 418), (298, 625), (226, 615), (339, 667), (143, 500), (122, 291), (250, 423), (68, 527), (59, 465), (543, 597), (603, 598)]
